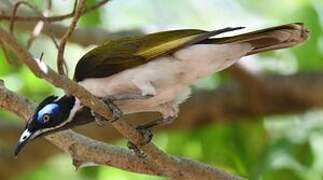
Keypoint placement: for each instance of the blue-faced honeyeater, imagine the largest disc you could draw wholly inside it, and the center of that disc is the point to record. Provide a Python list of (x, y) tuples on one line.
[(153, 73)]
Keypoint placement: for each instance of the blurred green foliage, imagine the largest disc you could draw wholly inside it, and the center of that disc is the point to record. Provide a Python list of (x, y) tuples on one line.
[(281, 147), (93, 18)]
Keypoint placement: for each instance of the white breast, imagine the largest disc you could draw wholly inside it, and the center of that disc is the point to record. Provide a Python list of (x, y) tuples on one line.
[(167, 77)]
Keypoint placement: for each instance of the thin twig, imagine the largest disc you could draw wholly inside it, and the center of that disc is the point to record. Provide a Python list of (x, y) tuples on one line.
[(49, 5), (35, 33), (95, 6), (82, 36), (43, 18), (54, 18), (13, 16), (6, 53), (39, 26), (60, 55)]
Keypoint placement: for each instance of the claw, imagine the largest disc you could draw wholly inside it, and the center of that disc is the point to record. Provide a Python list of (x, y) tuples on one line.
[(146, 134), (136, 150), (116, 112), (100, 121), (146, 138)]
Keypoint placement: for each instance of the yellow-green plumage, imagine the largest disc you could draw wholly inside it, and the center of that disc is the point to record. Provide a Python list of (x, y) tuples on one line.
[(118, 55), (125, 53)]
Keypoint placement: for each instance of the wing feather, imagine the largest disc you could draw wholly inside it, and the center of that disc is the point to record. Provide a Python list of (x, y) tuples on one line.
[(125, 53)]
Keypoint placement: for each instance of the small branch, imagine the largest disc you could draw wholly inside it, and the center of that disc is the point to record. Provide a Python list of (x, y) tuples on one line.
[(6, 53), (35, 33), (54, 18), (13, 15), (60, 56), (225, 104), (43, 19), (168, 165), (95, 6), (40, 26), (82, 36), (49, 4)]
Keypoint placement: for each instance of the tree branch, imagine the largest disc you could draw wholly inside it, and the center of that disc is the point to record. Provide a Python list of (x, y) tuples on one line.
[(81, 36), (41, 23), (60, 55), (168, 165), (53, 18), (226, 103)]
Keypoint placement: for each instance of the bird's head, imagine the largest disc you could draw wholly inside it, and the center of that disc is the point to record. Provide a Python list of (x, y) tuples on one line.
[(50, 115)]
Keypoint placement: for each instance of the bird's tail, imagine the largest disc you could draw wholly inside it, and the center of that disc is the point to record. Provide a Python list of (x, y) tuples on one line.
[(269, 39)]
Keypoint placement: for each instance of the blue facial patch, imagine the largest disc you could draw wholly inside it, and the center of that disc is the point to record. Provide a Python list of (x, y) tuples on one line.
[(50, 109)]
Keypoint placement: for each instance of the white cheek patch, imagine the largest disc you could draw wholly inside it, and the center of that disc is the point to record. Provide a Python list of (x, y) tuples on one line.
[(25, 135)]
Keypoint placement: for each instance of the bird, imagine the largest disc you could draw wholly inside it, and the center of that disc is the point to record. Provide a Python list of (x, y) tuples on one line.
[(153, 72)]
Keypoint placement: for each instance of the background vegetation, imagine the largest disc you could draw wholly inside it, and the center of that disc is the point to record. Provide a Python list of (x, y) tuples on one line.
[(272, 147)]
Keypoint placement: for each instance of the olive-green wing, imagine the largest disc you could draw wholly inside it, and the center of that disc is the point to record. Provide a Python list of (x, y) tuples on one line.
[(125, 53)]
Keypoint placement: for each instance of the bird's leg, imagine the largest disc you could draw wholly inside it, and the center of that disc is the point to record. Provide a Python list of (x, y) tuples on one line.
[(99, 120), (116, 112), (146, 89), (145, 131)]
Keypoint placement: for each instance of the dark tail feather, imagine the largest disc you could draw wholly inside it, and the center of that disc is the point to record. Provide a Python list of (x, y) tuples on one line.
[(269, 39)]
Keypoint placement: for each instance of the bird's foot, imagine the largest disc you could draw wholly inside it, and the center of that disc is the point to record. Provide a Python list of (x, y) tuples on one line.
[(99, 120), (146, 135), (136, 150), (116, 111)]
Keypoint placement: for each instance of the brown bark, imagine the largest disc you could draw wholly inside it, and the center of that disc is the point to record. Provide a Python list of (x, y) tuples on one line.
[(226, 104)]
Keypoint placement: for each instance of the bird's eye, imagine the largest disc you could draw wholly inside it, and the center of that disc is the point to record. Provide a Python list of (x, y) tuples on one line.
[(46, 118)]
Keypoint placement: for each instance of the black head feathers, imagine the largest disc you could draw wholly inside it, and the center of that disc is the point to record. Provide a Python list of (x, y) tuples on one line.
[(46, 101)]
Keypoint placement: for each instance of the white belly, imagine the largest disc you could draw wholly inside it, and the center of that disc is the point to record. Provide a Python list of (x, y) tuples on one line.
[(167, 78)]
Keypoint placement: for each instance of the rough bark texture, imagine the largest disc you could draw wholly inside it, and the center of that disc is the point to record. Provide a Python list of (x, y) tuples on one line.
[(226, 103)]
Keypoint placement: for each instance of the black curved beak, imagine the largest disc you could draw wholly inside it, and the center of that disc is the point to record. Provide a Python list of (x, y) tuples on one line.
[(25, 137)]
